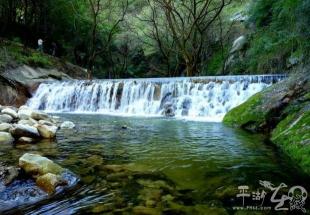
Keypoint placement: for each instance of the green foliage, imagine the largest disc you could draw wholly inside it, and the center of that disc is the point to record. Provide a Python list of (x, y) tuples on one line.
[(17, 53), (246, 114), (215, 64), (278, 34), (293, 136)]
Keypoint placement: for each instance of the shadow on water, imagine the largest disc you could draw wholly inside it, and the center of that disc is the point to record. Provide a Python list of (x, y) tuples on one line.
[(171, 166)]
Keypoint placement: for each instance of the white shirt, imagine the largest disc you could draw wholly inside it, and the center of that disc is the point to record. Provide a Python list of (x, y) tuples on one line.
[(40, 42)]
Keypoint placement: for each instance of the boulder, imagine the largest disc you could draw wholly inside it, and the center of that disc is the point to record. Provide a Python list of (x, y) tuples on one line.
[(5, 127), (24, 113), (47, 132), (20, 130), (25, 140), (5, 118), (45, 122), (49, 181), (67, 125), (37, 115), (238, 44), (26, 122), (10, 111), (6, 138), (36, 165), (24, 107), (283, 111)]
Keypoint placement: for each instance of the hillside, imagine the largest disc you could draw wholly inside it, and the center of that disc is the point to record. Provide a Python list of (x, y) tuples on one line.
[(22, 69)]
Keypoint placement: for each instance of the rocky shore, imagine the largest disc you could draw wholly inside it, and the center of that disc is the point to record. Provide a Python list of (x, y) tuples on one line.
[(283, 112), (23, 125), (36, 177)]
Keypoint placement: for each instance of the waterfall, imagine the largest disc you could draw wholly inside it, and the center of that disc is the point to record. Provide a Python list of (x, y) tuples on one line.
[(197, 98)]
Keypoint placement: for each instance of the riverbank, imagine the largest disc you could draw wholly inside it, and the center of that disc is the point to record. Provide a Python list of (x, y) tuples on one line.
[(22, 70), (35, 178), (282, 111)]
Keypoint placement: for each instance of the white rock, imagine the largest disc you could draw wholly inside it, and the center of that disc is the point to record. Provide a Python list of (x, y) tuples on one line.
[(5, 127), (37, 165), (24, 113), (38, 115), (20, 130), (47, 132), (238, 44), (26, 122), (10, 111), (67, 125), (45, 122), (26, 140), (6, 138), (24, 107), (5, 118)]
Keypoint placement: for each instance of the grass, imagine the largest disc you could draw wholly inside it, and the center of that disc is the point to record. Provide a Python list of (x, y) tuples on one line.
[(16, 53)]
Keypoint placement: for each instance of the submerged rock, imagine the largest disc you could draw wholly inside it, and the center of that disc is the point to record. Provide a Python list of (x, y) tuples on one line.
[(67, 125), (6, 138), (141, 210)]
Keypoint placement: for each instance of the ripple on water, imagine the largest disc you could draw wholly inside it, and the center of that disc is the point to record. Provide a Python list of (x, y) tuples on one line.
[(203, 162)]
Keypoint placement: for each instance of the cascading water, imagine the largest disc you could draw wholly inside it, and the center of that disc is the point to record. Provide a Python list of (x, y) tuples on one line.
[(199, 98)]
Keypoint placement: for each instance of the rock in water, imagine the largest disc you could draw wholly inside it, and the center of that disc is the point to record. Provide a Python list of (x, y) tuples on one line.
[(4, 118), (47, 132), (67, 125), (6, 138), (20, 130), (5, 127), (49, 182), (26, 122), (24, 113), (45, 122), (37, 165), (10, 112), (39, 115), (26, 140), (8, 174)]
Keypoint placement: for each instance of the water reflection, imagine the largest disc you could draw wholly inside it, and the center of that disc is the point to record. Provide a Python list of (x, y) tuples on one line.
[(200, 163)]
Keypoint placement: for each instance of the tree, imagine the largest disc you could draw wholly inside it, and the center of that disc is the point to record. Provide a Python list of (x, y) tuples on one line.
[(97, 8), (189, 23)]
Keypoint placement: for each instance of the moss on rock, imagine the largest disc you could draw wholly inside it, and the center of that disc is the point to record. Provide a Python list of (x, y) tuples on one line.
[(283, 110), (293, 135), (248, 115)]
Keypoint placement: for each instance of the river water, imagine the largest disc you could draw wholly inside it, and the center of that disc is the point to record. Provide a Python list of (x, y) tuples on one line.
[(172, 166)]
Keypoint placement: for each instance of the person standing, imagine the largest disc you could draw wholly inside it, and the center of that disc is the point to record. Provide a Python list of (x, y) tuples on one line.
[(54, 49), (40, 45)]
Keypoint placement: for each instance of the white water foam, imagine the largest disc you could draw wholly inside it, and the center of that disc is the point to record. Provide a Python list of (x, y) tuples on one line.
[(201, 98)]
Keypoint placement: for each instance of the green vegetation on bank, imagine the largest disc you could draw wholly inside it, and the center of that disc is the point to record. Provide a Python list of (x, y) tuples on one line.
[(136, 38), (283, 110), (16, 53)]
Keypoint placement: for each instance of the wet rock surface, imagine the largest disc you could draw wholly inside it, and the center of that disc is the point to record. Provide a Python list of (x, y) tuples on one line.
[(25, 125), (33, 182), (283, 111)]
